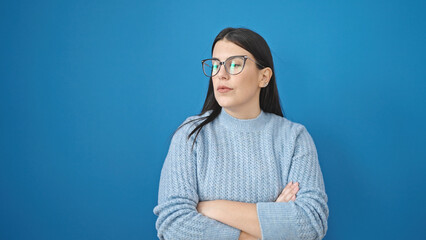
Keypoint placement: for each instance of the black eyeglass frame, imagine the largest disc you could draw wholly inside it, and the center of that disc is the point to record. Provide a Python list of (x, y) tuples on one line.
[(223, 63)]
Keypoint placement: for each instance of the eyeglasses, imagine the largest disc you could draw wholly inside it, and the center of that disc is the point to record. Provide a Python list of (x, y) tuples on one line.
[(233, 65)]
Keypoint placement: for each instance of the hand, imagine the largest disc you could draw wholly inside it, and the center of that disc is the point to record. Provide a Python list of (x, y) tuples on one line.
[(289, 192)]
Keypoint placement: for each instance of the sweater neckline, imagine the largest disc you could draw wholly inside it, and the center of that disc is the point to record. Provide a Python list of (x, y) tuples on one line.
[(233, 123)]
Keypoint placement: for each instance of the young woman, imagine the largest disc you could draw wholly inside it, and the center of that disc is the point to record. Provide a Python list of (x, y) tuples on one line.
[(248, 172)]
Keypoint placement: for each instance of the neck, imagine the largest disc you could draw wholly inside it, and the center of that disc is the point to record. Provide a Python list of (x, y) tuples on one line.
[(243, 115), (251, 124)]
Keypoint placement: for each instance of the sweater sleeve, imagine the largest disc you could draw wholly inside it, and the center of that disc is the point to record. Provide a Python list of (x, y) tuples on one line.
[(306, 217), (177, 213)]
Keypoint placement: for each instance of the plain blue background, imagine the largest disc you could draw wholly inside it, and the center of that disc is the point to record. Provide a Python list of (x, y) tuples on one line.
[(91, 91)]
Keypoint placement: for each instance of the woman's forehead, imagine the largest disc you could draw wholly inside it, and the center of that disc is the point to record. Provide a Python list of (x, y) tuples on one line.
[(224, 49)]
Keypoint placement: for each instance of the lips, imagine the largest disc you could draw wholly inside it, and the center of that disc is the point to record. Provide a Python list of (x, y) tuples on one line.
[(222, 87)]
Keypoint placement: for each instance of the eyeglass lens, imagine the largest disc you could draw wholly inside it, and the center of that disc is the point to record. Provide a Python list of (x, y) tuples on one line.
[(232, 65)]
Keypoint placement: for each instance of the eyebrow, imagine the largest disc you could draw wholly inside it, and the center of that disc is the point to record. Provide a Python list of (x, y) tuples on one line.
[(239, 55)]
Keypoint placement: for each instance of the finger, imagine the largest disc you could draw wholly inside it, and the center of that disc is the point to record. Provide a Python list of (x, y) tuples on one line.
[(289, 195), (289, 184), (286, 193), (285, 196), (287, 188), (290, 190), (295, 189)]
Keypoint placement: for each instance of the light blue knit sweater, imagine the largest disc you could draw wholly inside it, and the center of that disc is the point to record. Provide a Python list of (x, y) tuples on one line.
[(245, 160)]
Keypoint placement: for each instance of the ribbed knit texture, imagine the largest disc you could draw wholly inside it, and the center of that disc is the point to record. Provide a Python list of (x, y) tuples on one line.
[(245, 160)]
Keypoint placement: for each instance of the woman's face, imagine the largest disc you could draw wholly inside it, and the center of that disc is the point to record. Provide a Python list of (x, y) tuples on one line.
[(246, 85)]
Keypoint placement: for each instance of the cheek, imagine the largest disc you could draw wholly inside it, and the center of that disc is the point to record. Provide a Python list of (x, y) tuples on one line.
[(249, 85)]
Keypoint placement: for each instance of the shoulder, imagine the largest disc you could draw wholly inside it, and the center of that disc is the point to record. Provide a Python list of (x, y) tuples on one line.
[(189, 124), (192, 121), (299, 135), (293, 136), (198, 116), (286, 127)]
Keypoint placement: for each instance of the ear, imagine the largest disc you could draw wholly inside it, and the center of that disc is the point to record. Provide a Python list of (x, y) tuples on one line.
[(264, 77)]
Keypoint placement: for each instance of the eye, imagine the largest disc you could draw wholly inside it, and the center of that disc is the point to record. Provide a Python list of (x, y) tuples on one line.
[(235, 64)]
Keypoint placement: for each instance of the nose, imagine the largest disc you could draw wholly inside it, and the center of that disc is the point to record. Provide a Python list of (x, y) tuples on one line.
[(222, 74)]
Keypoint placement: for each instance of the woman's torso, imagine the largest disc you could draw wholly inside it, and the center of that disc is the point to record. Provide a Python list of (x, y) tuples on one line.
[(244, 166)]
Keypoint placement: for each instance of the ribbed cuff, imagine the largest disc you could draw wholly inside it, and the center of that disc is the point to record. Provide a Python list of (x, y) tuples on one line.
[(276, 220)]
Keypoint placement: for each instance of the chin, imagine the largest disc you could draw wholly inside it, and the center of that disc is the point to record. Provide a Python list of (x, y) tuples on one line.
[(226, 101), (225, 104)]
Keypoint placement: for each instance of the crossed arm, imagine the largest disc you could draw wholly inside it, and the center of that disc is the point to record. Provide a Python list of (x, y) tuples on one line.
[(305, 218), (242, 215), (182, 216), (239, 215)]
